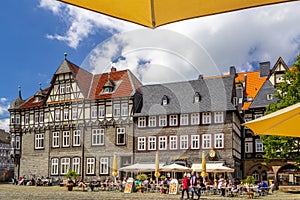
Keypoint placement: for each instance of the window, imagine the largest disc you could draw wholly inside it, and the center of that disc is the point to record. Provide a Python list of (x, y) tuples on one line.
[(219, 140), (173, 142), (256, 175), (142, 122), (66, 114), (257, 116), (152, 143), (258, 145), (76, 165), (219, 118), (206, 118), (18, 119), (98, 137), (116, 110), (165, 100), (74, 113), (141, 143), (248, 147), (184, 142), (65, 165), (269, 97), (124, 109), (55, 139), (206, 141), (162, 142), (152, 121), (94, 112), (173, 120), (36, 118), (101, 110), (235, 101), (57, 115), (39, 141), (184, 119), (68, 88), (76, 138), (195, 140), (121, 133), (62, 89), (90, 165), (195, 118), (18, 142), (197, 97), (103, 165), (54, 166), (41, 117), (162, 120), (12, 119), (27, 119), (66, 138)]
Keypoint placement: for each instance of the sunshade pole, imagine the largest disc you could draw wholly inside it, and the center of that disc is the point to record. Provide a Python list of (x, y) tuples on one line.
[(152, 14)]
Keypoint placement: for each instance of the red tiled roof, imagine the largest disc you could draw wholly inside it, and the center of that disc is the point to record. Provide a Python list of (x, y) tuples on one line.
[(29, 103), (253, 84)]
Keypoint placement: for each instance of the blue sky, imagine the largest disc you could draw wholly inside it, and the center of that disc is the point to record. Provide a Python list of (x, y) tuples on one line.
[(35, 34)]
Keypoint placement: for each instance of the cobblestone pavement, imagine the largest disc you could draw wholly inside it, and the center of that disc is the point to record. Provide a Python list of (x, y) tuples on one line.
[(13, 192)]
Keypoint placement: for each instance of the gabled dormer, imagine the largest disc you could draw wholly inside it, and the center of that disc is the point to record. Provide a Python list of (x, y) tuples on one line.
[(277, 72), (165, 100), (109, 86)]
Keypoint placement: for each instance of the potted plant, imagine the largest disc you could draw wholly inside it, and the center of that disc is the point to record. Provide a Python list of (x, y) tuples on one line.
[(250, 194), (142, 177), (140, 188), (248, 181), (71, 174)]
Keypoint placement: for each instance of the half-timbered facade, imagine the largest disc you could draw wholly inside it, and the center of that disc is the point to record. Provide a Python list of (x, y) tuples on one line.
[(77, 123)]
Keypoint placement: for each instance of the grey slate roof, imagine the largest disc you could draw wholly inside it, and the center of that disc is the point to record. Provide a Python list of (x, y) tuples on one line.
[(260, 101), (216, 95)]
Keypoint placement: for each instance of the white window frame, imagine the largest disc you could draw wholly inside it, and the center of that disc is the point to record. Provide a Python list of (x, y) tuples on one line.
[(184, 119), (173, 142), (195, 141), (64, 165), (162, 142), (66, 114), (195, 119), (41, 117), (219, 141), (141, 143), (101, 112), (76, 138), (103, 165), (206, 118), (36, 118), (68, 88), (184, 142), (249, 147), (152, 121), (259, 147), (18, 142), (219, 117), (97, 137), (39, 141), (18, 119), (74, 113), (90, 166), (57, 114), (141, 122), (66, 138), (54, 166), (124, 109), (162, 120), (152, 143), (206, 141), (94, 112), (27, 119), (55, 139), (173, 120), (61, 89), (116, 110), (76, 164), (121, 133)]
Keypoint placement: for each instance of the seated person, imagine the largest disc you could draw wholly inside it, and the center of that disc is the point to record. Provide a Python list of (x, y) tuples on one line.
[(81, 184)]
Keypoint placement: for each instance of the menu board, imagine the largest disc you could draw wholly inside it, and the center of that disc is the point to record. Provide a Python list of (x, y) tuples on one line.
[(173, 188), (128, 186)]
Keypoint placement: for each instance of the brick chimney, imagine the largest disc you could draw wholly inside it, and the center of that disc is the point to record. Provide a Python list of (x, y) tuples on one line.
[(264, 69)]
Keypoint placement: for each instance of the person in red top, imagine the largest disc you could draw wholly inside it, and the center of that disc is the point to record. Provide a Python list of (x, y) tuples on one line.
[(185, 187)]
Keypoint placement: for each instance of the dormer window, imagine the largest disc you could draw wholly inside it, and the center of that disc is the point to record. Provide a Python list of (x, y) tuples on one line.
[(269, 97), (37, 99), (108, 90), (197, 97), (165, 100), (109, 86)]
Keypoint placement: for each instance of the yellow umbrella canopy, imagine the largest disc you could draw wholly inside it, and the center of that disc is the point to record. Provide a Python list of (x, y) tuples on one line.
[(203, 171), (283, 122), (157, 174), (114, 168), (154, 13)]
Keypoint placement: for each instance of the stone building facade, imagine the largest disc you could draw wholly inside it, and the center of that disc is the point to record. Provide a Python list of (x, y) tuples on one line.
[(6, 161)]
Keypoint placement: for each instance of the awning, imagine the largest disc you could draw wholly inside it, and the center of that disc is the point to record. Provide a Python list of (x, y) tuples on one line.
[(212, 167), (154, 13), (141, 167), (283, 122), (174, 168)]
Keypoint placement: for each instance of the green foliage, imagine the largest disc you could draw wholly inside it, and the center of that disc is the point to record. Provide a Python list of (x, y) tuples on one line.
[(248, 180), (71, 174), (288, 93), (142, 177)]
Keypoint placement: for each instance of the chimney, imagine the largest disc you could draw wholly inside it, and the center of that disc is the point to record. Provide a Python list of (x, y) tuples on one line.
[(200, 77), (113, 69), (232, 71), (264, 69)]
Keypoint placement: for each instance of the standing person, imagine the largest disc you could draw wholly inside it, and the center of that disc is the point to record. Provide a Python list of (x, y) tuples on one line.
[(185, 187), (194, 184)]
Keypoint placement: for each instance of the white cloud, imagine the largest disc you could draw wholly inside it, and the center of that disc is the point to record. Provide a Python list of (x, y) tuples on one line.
[(4, 124), (4, 114), (242, 38)]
